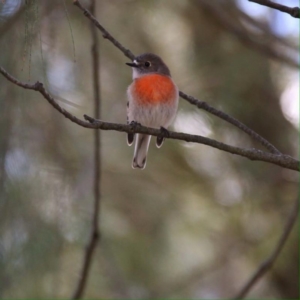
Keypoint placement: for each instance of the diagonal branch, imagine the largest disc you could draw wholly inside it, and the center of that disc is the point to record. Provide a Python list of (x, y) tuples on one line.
[(231, 120), (282, 160), (275, 157), (95, 231), (190, 99), (292, 11), (267, 264), (105, 33)]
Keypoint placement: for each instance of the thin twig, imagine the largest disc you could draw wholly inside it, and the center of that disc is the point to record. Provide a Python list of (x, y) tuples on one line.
[(282, 160), (105, 33), (95, 231), (231, 120), (190, 99), (292, 11), (253, 154), (267, 264)]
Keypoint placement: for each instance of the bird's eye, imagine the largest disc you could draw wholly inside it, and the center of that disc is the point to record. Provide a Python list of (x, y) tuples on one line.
[(147, 64)]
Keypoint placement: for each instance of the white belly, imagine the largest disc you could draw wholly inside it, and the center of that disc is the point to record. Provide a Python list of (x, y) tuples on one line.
[(152, 115)]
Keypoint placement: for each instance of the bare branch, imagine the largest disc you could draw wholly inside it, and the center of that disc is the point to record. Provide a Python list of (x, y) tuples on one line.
[(292, 11), (190, 99), (88, 256), (231, 120), (275, 157), (105, 33), (267, 264), (282, 160), (95, 231)]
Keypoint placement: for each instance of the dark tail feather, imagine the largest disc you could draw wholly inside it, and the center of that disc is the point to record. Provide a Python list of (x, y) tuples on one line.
[(159, 141), (130, 138)]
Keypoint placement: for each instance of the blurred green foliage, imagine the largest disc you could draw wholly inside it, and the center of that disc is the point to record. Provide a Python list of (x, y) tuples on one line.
[(197, 221)]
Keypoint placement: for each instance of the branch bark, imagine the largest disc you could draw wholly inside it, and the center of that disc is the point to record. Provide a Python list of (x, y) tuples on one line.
[(275, 157), (105, 33), (282, 160), (203, 105), (95, 231), (190, 99), (292, 11)]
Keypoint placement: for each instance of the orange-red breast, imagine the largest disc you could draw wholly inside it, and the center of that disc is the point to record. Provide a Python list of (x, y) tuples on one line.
[(152, 102)]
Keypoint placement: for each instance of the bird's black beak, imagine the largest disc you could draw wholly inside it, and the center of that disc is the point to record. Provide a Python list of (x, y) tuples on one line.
[(133, 65)]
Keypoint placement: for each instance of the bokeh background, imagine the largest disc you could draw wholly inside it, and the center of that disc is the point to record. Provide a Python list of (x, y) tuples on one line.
[(197, 221)]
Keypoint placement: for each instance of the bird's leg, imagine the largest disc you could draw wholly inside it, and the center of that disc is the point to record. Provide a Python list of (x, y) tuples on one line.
[(130, 135)]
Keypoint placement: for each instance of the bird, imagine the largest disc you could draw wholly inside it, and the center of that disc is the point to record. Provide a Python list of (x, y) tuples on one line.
[(152, 102)]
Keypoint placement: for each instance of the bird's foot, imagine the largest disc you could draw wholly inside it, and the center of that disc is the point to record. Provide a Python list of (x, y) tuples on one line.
[(165, 131), (134, 124)]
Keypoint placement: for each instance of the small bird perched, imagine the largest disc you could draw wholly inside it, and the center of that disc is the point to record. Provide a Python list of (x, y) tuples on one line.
[(152, 102)]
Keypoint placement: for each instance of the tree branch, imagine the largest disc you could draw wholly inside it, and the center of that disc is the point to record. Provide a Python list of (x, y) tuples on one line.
[(203, 105), (292, 11), (95, 231), (282, 160), (254, 154), (105, 33), (267, 264), (190, 99)]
